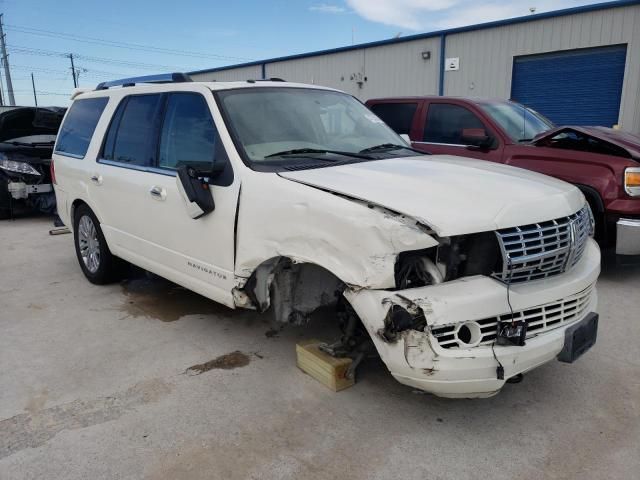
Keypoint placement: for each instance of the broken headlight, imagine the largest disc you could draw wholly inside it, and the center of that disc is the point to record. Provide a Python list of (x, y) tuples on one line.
[(456, 257), (417, 268), (16, 167)]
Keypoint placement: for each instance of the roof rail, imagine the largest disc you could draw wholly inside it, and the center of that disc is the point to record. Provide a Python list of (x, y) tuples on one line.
[(272, 79), (161, 78)]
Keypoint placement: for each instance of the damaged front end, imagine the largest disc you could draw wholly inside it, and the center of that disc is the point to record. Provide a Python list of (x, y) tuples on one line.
[(27, 136), (441, 338)]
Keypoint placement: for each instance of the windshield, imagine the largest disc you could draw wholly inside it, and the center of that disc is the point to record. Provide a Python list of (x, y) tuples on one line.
[(519, 122), (279, 125)]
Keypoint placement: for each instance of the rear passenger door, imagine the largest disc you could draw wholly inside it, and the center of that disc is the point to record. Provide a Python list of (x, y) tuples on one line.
[(144, 217), (400, 115), (444, 131)]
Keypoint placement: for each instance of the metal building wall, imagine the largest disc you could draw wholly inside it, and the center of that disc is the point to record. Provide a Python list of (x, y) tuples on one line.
[(486, 56), (338, 70), (387, 70), (397, 69), (230, 75)]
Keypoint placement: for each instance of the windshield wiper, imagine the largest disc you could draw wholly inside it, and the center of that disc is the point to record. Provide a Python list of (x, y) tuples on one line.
[(525, 140), (24, 144), (389, 146), (302, 151)]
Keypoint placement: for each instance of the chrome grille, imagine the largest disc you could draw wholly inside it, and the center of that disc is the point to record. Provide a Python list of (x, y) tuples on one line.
[(544, 249), (539, 320)]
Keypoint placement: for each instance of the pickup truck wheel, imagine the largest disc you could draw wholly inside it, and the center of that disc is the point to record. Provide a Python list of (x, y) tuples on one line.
[(5, 201), (96, 261)]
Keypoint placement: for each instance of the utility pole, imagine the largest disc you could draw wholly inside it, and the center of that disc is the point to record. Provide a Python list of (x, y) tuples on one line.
[(5, 63), (33, 84), (73, 71)]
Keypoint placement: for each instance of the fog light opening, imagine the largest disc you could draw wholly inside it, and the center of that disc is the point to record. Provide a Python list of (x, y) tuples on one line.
[(469, 334)]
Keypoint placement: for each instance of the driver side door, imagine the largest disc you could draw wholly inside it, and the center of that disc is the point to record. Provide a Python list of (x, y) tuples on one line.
[(444, 125), (149, 222)]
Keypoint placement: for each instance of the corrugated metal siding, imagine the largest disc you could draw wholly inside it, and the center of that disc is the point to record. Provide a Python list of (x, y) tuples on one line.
[(572, 87), (396, 70), (231, 75), (389, 70), (338, 70), (486, 56)]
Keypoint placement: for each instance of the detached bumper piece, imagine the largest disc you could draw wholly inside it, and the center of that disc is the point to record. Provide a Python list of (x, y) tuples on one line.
[(628, 236), (579, 338)]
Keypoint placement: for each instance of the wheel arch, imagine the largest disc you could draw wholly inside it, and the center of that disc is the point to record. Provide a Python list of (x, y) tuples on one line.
[(293, 288), (593, 197), (74, 207)]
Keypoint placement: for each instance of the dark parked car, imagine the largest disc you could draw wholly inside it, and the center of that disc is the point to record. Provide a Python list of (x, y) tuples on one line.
[(604, 163), (27, 136)]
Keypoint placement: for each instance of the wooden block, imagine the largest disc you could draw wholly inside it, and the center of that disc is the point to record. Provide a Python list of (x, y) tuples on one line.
[(328, 370)]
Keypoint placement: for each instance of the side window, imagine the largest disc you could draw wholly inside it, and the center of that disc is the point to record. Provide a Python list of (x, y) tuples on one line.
[(131, 137), (445, 123), (77, 130), (188, 133), (399, 116)]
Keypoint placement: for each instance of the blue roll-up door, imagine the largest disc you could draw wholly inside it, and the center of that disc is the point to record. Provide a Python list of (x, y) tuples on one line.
[(573, 87)]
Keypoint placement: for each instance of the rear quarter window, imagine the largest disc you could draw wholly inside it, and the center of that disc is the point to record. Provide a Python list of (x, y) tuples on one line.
[(399, 116), (79, 125)]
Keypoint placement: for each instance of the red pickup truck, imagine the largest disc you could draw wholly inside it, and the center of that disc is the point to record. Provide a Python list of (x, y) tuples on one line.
[(602, 162)]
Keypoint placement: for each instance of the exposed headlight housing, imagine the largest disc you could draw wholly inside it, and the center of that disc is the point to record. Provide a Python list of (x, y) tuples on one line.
[(17, 167), (632, 181), (455, 257)]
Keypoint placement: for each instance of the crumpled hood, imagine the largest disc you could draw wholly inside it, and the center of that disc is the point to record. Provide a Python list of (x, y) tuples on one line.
[(625, 140), (452, 195)]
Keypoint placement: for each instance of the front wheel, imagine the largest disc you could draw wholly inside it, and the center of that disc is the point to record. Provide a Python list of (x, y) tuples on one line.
[(96, 261)]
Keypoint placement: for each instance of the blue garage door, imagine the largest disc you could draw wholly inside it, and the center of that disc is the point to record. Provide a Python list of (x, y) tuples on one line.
[(574, 87)]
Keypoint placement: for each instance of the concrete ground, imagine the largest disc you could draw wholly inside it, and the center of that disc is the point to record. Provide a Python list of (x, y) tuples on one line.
[(94, 383)]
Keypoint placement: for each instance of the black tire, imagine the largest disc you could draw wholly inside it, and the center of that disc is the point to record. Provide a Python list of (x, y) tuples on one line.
[(5, 200), (97, 262)]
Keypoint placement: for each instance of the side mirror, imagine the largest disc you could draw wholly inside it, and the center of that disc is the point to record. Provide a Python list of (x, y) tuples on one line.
[(194, 189), (476, 138)]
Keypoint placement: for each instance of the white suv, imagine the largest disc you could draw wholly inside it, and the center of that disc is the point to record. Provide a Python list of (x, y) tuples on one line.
[(260, 194)]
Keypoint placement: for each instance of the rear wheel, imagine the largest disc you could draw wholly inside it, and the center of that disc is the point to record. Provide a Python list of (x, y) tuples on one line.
[(96, 260)]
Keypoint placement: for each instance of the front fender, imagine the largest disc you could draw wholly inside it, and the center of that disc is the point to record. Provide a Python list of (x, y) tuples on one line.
[(356, 242)]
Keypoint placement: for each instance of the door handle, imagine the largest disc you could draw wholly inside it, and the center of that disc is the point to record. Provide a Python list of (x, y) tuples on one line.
[(158, 193), (97, 179)]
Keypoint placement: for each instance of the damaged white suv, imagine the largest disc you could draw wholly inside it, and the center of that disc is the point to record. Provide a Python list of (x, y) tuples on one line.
[(263, 194)]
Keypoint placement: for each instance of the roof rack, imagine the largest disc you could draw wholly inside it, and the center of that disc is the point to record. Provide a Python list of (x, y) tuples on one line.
[(161, 78), (272, 79)]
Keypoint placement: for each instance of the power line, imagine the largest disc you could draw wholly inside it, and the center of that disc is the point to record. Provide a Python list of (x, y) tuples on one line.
[(90, 72), (16, 49), (117, 44)]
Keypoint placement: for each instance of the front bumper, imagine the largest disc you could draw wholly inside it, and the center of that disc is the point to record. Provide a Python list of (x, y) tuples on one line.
[(628, 236), (417, 359), (22, 190)]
